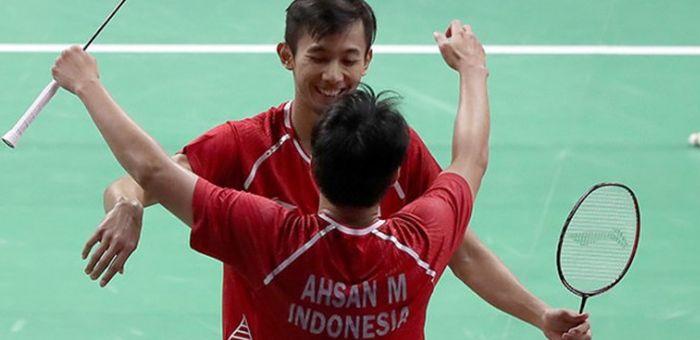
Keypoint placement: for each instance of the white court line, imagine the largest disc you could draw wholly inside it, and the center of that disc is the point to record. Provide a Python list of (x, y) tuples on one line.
[(382, 49)]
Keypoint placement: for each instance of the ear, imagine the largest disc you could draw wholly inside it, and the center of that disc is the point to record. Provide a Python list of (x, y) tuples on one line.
[(286, 56), (368, 60)]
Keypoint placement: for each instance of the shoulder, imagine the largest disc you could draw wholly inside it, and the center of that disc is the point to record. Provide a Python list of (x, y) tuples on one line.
[(448, 194), (269, 122)]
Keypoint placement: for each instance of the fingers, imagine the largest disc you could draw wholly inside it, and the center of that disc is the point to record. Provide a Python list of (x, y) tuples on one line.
[(69, 53), (102, 264), (577, 335), (455, 27), (117, 266), (581, 330), (96, 256), (118, 237), (91, 243), (453, 30), (573, 317), (440, 38), (111, 256), (73, 68)]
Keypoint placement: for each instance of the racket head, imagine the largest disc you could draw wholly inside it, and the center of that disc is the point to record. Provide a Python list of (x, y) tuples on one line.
[(583, 248)]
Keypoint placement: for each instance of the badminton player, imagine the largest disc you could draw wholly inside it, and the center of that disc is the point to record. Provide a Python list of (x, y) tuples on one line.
[(328, 49), (344, 271)]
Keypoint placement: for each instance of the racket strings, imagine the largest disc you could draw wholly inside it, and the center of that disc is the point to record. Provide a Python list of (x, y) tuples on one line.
[(599, 239)]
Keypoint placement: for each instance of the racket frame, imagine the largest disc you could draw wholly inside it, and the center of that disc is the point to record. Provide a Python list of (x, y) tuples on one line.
[(585, 295)]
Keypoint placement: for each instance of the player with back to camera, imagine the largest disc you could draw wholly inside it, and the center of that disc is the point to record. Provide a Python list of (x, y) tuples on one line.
[(328, 49), (358, 275)]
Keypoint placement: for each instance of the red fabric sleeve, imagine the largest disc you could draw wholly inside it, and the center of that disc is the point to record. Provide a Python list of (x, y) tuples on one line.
[(443, 212), (214, 156), (420, 167), (237, 228)]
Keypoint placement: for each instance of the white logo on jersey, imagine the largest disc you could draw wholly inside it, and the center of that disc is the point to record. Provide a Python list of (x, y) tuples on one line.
[(242, 332)]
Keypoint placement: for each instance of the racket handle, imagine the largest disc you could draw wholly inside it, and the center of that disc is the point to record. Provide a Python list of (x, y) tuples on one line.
[(12, 137)]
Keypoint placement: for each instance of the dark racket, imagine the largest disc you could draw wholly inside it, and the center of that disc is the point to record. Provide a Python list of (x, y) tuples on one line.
[(599, 240)]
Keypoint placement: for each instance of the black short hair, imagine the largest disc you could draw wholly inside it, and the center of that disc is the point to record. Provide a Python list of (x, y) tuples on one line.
[(357, 145), (321, 18)]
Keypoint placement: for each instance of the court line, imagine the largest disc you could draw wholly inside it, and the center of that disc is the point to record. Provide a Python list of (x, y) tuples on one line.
[(382, 49)]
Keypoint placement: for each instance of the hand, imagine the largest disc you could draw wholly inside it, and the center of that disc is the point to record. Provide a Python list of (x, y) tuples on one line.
[(74, 69), (561, 324), (461, 49), (118, 235)]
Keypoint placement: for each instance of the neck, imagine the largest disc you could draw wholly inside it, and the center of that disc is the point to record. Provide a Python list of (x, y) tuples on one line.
[(350, 217), (303, 121)]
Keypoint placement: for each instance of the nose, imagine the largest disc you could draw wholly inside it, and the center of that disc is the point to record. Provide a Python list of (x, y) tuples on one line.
[(333, 73)]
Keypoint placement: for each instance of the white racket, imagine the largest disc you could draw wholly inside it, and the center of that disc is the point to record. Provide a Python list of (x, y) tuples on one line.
[(11, 138)]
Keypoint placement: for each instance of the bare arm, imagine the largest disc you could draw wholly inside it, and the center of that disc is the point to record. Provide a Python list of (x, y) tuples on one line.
[(486, 275), (138, 153), (119, 231), (463, 52), (473, 263), (126, 189)]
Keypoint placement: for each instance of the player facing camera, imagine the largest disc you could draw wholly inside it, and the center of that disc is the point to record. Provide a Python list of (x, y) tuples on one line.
[(358, 146), (327, 46)]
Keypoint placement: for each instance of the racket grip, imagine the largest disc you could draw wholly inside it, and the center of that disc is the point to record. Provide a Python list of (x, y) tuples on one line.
[(12, 137)]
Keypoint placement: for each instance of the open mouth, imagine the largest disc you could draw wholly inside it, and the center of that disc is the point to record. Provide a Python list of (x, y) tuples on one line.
[(330, 93)]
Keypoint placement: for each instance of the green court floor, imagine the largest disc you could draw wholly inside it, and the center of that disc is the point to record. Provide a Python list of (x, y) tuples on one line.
[(559, 125)]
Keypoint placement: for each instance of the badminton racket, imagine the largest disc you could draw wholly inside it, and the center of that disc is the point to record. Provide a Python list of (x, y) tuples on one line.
[(11, 138), (599, 240)]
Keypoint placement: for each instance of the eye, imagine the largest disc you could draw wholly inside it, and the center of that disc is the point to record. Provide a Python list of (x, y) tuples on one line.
[(350, 62), (317, 59)]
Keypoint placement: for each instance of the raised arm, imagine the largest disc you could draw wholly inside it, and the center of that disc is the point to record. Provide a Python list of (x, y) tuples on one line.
[(463, 52), (473, 262), (140, 155)]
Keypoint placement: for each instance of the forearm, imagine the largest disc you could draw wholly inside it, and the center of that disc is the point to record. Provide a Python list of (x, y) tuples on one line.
[(141, 156), (472, 124), (138, 154), (126, 189), (487, 276)]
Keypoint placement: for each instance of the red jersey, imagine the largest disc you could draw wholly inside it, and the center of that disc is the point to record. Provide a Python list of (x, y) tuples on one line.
[(262, 155), (314, 278)]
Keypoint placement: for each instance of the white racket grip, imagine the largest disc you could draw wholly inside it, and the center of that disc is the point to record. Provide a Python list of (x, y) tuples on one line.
[(12, 137)]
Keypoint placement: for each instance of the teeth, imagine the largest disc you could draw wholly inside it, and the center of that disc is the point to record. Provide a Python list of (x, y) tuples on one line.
[(330, 93)]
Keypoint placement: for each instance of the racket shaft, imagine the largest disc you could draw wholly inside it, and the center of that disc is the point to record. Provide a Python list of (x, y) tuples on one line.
[(12, 137), (583, 303)]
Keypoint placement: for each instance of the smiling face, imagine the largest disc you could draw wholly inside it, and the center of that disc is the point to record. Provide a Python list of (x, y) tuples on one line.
[(326, 67)]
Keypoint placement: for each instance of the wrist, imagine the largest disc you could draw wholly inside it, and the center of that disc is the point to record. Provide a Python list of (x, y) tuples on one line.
[(541, 321), (84, 89), (133, 206), (474, 74)]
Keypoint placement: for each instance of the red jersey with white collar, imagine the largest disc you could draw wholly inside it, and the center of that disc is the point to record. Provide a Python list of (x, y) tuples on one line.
[(261, 155), (314, 278)]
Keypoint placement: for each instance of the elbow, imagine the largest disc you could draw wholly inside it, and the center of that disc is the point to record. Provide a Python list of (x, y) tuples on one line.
[(482, 161), (147, 174)]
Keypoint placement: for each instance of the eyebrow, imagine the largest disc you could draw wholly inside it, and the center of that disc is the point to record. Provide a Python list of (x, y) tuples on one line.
[(321, 49)]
